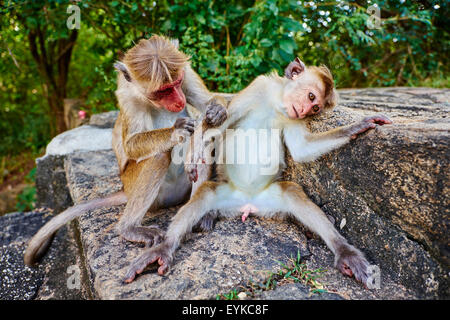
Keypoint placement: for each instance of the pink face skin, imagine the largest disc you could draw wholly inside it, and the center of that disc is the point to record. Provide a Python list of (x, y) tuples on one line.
[(170, 96), (304, 95)]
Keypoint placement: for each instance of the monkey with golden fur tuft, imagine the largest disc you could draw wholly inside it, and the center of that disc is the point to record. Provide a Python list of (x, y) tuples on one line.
[(155, 83)]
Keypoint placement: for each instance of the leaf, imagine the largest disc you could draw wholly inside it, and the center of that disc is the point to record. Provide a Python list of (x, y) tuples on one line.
[(201, 19), (288, 45), (265, 42), (286, 56)]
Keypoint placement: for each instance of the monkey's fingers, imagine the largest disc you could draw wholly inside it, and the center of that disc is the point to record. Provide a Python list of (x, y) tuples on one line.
[(361, 128), (185, 123), (216, 115), (378, 119), (192, 172)]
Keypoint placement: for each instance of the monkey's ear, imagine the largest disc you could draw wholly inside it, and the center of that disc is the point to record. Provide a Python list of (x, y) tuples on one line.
[(175, 42), (120, 66), (294, 68)]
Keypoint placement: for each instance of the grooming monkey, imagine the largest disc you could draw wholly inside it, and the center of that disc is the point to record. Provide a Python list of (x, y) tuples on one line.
[(284, 104), (154, 82)]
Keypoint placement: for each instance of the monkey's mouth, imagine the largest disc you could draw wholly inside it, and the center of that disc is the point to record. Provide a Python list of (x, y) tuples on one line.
[(295, 111)]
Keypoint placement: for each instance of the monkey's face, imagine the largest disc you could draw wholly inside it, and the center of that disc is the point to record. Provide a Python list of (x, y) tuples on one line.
[(304, 95), (169, 96)]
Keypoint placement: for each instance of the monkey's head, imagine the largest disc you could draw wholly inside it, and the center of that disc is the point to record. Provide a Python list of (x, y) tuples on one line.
[(309, 91), (154, 68)]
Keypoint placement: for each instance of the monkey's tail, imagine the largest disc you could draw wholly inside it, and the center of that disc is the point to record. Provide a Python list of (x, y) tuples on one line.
[(40, 242)]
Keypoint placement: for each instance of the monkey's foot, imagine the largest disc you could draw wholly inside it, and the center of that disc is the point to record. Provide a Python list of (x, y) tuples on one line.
[(246, 210), (351, 262), (161, 254), (151, 235), (206, 223)]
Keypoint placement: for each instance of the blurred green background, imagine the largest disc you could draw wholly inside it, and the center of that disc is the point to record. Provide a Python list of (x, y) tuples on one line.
[(230, 42)]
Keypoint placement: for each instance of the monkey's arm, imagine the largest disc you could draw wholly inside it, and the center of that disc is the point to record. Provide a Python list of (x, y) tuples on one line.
[(196, 92), (145, 144), (305, 146), (212, 104)]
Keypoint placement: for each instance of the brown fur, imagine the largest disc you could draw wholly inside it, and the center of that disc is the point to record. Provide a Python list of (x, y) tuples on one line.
[(155, 61), (142, 139), (331, 95), (149, 143)]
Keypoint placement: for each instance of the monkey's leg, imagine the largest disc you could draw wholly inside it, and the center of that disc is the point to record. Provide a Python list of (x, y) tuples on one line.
[(188, 215), (349, 260), (148, 177)]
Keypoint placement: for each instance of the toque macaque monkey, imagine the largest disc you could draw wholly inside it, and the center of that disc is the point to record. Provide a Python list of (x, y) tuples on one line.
[(280, 105), (154, 83)]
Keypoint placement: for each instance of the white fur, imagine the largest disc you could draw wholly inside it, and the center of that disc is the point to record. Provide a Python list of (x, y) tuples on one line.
[(295, 137)]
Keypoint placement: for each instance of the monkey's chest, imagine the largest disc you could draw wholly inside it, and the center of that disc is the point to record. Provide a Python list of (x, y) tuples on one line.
[(253, 156), (164, 119)]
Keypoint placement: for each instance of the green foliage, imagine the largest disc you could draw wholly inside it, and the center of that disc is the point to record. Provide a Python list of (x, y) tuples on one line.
[(27, 198), (294, 270), (230, 42)]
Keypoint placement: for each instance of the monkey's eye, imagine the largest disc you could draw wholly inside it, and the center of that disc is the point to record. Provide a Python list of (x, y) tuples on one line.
[(162, 93), (316, 108), (311, 96)]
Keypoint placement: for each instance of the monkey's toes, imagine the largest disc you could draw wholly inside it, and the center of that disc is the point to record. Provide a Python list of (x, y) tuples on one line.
[(158, 254), (139, 264), (354, 264), (206, 223)]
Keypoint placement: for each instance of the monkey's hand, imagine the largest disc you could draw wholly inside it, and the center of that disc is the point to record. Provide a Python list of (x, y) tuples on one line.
[(191, 171), (367, 124), (216, 114), (184, 127), (194, 156), (161, 254)]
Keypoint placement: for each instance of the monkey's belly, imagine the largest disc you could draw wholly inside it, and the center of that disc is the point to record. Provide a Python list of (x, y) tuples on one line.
[(175, 188), (250, 178), (230, 200)]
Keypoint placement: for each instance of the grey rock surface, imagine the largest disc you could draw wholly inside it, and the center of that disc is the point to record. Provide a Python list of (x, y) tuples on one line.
[(48, 280), (207, 264), (104, 120), (296, 291), (51, 182)]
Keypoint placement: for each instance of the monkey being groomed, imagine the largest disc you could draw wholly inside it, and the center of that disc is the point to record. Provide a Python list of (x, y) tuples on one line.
[(281, 106), (155, 81)]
